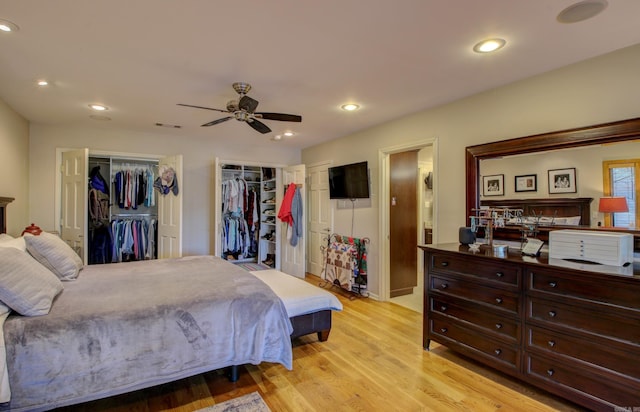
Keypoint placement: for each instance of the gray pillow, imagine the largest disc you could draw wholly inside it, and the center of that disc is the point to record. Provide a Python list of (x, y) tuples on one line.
[(55, 255), (25, 285)]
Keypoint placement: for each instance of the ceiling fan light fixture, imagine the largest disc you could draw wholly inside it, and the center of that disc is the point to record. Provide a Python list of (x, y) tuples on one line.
[(350, 107), (489, 45), (581, 11), (8, 26)]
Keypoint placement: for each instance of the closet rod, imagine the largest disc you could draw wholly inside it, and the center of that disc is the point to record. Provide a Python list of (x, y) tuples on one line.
[(134, 215), (134, 159)]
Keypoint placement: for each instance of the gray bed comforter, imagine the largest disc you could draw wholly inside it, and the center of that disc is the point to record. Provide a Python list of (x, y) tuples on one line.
[(126, 326)]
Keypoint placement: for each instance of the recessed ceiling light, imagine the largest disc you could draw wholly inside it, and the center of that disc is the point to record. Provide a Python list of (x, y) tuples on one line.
[(43, 83), (7, 26), (98, 107), (350, 107), (581, 11), (487, 46), (288, 134), (277, 137)]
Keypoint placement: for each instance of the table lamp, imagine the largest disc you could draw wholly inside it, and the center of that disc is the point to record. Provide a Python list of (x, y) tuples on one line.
[(613, 204)]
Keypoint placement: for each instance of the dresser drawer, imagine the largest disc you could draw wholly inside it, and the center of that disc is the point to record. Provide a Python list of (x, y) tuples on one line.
[(499, 298), (450, 331), (586, 318), (496, 271), (581, 382), (504, 327), (610, 290), (620, 359)]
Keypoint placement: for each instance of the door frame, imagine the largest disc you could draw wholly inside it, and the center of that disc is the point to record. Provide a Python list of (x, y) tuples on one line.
[(383, 204)]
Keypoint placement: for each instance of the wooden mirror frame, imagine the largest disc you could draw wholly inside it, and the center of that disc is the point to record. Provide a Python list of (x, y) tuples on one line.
[(619, 131)]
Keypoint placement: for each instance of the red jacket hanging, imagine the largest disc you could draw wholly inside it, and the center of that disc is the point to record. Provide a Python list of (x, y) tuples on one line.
[(285, 207)]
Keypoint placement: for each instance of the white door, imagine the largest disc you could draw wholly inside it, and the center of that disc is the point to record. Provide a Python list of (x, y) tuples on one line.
[(73, 219), (293, 257), (170, 214), (320, 216)]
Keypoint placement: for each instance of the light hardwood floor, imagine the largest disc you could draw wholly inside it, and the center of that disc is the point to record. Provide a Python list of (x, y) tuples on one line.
[(373, 361)]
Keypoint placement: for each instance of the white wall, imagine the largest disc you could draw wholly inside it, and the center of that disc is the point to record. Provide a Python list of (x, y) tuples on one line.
[(599, 90), (14, 167), (197, 180)]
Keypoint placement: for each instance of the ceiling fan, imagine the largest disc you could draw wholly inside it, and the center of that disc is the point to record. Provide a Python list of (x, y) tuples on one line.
[(243, 110)]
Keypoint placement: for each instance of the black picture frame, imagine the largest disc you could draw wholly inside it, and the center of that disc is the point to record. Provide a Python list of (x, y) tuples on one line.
[(493, 185), (562, 180), (526, 183)]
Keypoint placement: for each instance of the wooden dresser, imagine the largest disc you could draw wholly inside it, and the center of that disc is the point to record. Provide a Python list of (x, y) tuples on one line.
[(567, 328)]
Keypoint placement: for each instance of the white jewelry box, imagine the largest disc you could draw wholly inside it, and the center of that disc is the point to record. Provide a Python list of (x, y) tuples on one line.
[(607, 248)]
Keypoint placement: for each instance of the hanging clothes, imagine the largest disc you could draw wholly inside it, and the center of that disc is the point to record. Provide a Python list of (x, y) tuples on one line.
[(296, 215), (291, 213), (131, 187), (284, 214), (133, 239)]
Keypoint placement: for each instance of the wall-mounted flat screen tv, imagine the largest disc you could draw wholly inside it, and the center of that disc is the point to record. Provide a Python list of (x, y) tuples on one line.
[(349, 181)]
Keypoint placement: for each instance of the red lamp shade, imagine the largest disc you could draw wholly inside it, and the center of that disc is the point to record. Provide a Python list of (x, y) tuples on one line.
[(613, 205)]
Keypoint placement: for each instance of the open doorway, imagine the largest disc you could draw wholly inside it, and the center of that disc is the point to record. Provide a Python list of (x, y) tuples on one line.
[(418, 170)]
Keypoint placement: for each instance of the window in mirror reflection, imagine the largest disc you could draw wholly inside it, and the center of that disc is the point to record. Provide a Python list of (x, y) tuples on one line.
[(620, 178)]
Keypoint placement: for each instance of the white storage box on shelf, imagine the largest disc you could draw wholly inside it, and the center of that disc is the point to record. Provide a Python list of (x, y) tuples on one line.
[(607, 248)]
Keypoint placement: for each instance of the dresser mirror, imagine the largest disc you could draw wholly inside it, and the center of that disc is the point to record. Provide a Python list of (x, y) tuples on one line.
[(578, 138)]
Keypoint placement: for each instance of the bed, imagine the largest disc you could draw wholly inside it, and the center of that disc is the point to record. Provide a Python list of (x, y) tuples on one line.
[(116, 328), (548, 213)]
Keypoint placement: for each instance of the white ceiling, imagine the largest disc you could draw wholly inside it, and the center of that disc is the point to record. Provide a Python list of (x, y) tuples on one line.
[(141, 57)]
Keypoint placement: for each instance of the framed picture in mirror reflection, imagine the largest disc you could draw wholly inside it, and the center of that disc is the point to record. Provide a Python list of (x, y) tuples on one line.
[(493, 185), (526, 183)]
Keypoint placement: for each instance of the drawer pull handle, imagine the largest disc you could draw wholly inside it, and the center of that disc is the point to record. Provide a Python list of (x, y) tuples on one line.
[(444, 264), (499, 274), (498, 325), (443, 330), (551, 343), (444, 286), (497, 351), (552, 313), (443, 308), (498, 300), (553, 284), (550, 372)]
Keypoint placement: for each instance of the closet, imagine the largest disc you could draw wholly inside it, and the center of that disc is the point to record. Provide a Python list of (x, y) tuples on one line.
[(123, 213), (247, 200), (247, 214), (110, 210)]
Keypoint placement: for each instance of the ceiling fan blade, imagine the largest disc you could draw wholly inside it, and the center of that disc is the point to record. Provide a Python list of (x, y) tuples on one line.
[(202, 107), (224, 119), (259, 126), (279, 116), (248, 104)]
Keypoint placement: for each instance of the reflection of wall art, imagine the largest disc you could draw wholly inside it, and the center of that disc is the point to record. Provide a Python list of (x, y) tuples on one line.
[(562, 180), (526, 183), (493, 185)]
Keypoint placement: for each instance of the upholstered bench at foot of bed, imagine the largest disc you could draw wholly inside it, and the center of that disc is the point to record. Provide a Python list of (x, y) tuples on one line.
[(309, 307), (316, 322)]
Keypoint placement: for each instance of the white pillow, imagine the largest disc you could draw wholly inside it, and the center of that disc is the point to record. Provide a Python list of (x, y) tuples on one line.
[(17, 243), (55, 255), (25, 285), (4, 237)]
